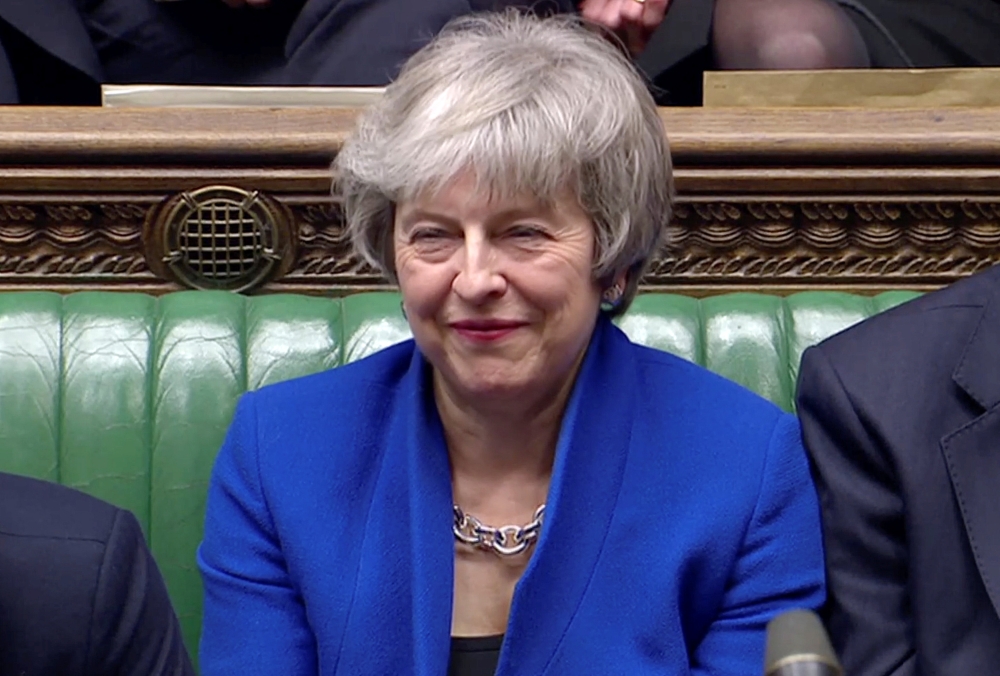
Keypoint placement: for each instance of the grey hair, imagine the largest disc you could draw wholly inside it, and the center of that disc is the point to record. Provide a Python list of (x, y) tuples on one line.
[(531, 107)]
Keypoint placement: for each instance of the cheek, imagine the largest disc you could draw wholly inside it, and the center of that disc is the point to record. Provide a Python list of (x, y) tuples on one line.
[(565, 282), (423, 287)]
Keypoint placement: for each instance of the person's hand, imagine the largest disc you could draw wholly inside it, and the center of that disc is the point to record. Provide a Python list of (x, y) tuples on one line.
[(247, 3), (633, 21)]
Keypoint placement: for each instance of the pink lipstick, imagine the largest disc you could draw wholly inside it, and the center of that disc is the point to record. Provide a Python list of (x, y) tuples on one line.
[(486, 330)]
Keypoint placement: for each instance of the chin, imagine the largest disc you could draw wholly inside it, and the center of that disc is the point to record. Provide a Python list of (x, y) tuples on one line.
[(494, 387), (490, 383)]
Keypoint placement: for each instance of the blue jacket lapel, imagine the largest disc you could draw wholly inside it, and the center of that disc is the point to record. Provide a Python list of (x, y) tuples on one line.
[(400, 617), (590, 461), (403, 599), (432, 542)]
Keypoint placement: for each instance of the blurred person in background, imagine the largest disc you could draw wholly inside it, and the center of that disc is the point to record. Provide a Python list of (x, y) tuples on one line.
[(676, 41), (60, 51)]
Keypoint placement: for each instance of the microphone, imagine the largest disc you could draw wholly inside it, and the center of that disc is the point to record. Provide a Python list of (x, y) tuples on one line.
[(797, 645)]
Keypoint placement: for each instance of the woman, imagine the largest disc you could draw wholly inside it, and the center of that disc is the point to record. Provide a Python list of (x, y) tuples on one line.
[(514, 182)]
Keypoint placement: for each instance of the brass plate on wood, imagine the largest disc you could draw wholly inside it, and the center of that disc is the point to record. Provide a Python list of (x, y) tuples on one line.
[(933, 88), (220, 237)]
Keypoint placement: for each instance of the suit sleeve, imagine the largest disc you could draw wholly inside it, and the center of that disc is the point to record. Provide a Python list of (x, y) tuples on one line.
[(134, 631), (779, 567), (868, 608), (8, 83), (254, 618)]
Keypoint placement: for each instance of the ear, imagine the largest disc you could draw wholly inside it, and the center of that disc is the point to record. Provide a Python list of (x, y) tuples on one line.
[(617, 285), (612, 294)]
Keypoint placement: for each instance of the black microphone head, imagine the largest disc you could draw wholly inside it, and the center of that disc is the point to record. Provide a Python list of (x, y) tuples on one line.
[(797, 644)]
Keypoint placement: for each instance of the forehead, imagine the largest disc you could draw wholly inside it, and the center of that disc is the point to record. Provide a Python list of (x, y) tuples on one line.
[(465, 196)]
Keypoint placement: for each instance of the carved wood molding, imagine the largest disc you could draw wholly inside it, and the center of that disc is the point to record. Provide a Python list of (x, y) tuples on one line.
[(862, 243), (78, 243), (774, 244), (753, 243), (776, 201)]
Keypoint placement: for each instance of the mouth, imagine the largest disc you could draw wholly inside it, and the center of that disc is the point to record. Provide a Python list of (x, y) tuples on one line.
[(486, 330)]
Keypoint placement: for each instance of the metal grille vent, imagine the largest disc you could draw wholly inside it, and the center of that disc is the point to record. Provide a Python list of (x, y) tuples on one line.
[(221, 238)]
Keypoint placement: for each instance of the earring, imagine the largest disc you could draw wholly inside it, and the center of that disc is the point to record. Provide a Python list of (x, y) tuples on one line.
[(402, 309), (611, 297)]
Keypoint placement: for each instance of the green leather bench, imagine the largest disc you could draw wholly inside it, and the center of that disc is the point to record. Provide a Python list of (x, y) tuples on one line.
[(128, 396)]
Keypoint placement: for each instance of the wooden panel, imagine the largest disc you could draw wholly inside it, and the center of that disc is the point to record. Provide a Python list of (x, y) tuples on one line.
[(855, 88), (773, 200)]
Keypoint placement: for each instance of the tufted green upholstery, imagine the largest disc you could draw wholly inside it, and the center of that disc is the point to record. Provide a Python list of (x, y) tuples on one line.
[(128, 396)]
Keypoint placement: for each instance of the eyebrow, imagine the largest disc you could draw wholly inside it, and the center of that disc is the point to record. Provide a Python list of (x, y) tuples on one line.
[(410, 217), (507, 215), (517, 213)]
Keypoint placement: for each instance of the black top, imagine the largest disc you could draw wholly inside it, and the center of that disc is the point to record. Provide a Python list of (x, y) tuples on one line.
[(476, 656)]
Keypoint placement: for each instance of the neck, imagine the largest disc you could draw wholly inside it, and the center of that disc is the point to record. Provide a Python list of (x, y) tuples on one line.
[(501, 450)]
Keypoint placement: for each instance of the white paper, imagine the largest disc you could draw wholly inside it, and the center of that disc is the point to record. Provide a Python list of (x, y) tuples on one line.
[(159, 96)]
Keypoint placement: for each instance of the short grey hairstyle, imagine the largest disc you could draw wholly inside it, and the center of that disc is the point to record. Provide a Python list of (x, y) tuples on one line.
[(529, 105)]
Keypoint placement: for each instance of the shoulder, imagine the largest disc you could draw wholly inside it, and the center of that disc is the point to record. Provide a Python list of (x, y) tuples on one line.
[(49, 520), (76, 573), (32, 508), (53, 541), (932, 326), (340, 393), (668, 379), (914, 347), (383, 368), (283, 433), (717, 431), (736, 458)]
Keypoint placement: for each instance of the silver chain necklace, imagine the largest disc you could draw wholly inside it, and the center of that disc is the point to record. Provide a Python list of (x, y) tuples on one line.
[(505, 540)]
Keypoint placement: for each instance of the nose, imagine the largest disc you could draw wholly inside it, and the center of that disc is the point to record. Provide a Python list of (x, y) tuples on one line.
[(479, 279)]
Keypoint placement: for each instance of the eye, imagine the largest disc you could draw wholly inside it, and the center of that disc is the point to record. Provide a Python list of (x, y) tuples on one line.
[(525, 232), (428, 234)]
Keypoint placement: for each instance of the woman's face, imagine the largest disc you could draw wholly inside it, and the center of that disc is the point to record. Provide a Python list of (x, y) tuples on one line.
[(499, 294)]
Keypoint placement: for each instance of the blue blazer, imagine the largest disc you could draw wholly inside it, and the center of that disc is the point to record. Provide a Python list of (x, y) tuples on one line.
[(680, 519)]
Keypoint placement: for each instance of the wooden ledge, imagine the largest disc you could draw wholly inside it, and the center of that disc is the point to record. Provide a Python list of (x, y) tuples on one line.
[(771, 200), (297, 136)]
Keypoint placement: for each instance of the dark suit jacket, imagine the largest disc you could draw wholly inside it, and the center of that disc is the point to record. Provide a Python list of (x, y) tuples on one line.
[(46, 55), (56, 26), (50, 46), (79, 592), (901, 417)]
